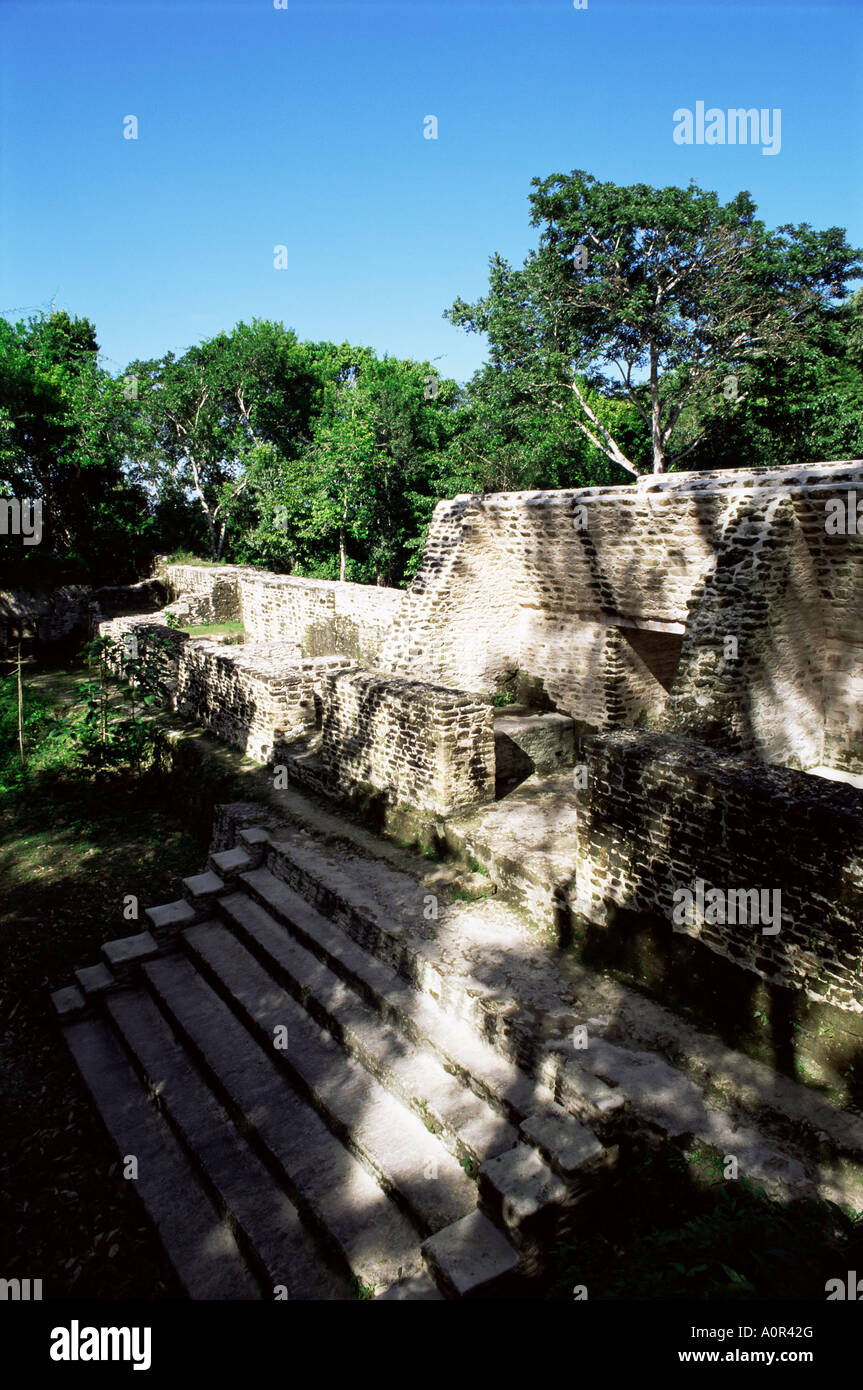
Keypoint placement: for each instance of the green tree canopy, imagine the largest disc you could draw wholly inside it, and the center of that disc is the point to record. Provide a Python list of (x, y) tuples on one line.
[(360, 492), (63, 429), (664, 297), (208, 419)]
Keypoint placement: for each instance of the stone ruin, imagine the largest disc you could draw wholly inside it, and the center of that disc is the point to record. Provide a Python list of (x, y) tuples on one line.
[(601, 699), (689, 646)]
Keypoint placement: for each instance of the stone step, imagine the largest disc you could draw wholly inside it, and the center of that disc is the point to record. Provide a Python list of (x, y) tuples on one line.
[(381, 913), (281, 1250), (201, 890), (504, 1085), (472, 1258), (328, 1184), (423, 1178), (198, 1243), (571, 1149), (125, 954), (95, 980), (468, 1126), (69, 1003), (170, 918), (253, 839), (230, 862), (520, 1193), (421, 1288)]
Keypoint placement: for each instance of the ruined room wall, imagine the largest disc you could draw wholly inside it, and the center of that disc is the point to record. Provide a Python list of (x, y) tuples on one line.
[(843, 705), (213, 589), (700, 556), (418, 744), (459, 622), (752, 660), (318, 617), (535, 580), (247, 695), (63, 614), (309, 617), (659, 812)]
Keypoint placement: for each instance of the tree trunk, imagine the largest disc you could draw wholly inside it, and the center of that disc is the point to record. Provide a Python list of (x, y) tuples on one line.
[(342, 556), (211, 530), (656, 424)]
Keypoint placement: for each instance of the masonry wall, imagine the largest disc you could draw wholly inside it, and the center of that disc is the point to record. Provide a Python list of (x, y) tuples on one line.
[(843, 706), (63, 614), (247, 695), (553, 583), (213, 589), (660, 812), (317, 617), (308, 617), (417, 744)]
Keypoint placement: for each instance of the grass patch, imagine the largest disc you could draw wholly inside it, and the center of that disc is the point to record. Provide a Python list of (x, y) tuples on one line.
[(212, 629), (185, 557)]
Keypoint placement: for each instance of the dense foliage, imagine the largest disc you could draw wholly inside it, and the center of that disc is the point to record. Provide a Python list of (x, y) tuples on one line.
[(650, 329)]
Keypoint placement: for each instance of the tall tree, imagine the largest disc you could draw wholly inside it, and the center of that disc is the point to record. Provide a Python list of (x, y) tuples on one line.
[(680, 296), (63, 427), (356, 500), (209, 418)]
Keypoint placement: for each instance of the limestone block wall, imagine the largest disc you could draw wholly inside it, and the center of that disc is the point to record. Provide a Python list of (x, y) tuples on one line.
[(41, 617), (249, 695), (660, 813), (317, 617), (569, 585), (419, 744), (214, 589), (843, 706), (309, 617), (64, 613), (752, 663), (145, 597), (162, 646)]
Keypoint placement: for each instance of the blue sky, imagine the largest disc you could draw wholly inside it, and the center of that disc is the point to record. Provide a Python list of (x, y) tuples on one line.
[(303, 127)]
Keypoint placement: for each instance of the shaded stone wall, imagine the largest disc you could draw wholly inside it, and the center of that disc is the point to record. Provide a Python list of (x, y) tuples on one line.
[(659, 813), (64, 613), (214, 589), (418, 744), (752, 662), (30, 617)]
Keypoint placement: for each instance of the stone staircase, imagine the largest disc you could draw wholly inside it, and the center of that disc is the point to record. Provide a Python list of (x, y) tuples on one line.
[(309, 1109)]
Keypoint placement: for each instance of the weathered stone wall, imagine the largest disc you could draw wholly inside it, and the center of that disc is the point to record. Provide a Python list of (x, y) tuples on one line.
[(213, 590), (659, 813), (568, 587), (418, 744), (64, 614), (247, 695), (316, 617), (843, 706), (42, 618), (308, 617)]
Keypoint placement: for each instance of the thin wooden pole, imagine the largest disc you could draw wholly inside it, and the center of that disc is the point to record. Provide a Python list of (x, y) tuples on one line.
[(20, 710)]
